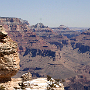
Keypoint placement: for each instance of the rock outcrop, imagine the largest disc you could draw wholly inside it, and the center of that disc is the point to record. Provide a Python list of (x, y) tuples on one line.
[(9, 60), (39, 25), (78, 82), (42, 84), (82, 42), (63, 30), (26, 76)]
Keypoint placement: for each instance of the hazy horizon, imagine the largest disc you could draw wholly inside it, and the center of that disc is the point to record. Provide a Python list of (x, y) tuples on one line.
[(52, 13)]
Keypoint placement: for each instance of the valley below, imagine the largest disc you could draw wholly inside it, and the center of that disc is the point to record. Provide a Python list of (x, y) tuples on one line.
[(59, 52)]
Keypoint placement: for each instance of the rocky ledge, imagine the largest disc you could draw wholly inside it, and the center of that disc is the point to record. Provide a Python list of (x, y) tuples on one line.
[(40, 83), (9, 59), (43, 84)]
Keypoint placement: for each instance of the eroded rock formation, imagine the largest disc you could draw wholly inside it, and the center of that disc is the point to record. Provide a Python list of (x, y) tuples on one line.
[(9, 60)]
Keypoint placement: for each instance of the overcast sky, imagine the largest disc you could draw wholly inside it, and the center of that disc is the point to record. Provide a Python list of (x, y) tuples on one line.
[(52, 13)]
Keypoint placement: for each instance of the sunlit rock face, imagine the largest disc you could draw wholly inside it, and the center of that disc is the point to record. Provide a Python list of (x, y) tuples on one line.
[(9, 60), (43, 84)]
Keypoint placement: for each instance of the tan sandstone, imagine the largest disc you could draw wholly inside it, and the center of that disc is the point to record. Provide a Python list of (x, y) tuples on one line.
[(9, 58)]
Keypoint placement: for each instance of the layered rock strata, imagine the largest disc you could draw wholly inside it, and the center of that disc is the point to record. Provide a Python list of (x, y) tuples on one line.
[(9, 60)]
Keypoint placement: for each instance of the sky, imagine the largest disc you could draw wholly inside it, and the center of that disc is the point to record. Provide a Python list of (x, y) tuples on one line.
[(52, 13)]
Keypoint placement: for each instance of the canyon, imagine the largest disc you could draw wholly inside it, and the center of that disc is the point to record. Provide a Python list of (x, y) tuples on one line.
[(51, 51), (9, 66)]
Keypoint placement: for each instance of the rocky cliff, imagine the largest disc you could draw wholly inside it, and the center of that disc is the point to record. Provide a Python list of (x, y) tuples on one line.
[(78, 82), (82, 42), (9, 58), (63, 30), (32, 48)]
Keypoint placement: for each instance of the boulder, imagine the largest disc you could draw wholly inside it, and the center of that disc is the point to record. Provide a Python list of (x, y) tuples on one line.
[(9, 58)]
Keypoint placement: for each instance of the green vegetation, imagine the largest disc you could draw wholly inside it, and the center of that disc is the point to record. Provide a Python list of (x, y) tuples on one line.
[(48, 77), (2, 87), (57, 80), (22, 86), (53, 82)]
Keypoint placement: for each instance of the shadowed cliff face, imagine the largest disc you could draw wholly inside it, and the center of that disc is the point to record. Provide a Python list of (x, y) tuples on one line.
[(77, 57), (35, 52), (9, 60), (82, 42), (79, 82)]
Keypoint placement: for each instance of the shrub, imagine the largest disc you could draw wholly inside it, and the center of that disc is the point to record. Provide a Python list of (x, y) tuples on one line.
[(2, 87), (48, 77), (63, 80), (57, 80)]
